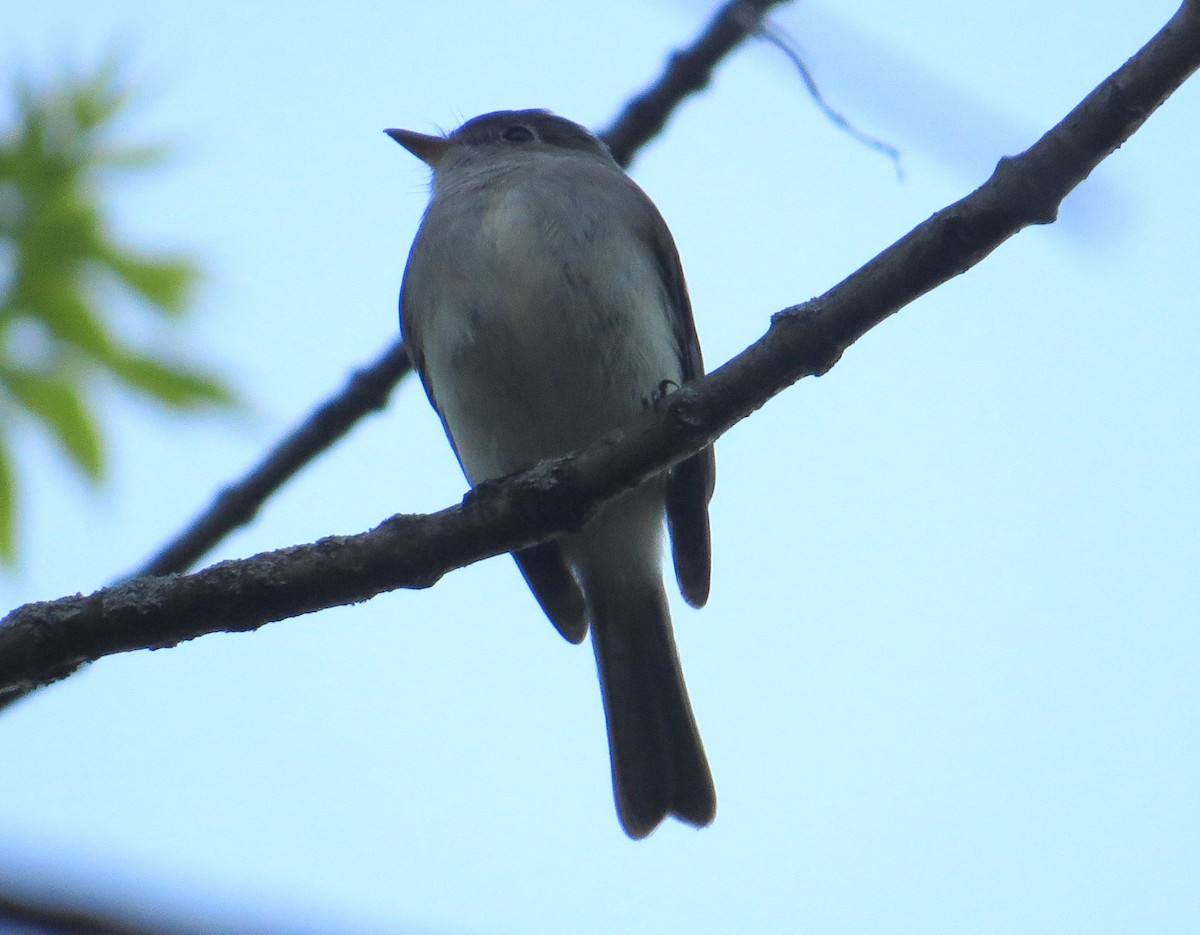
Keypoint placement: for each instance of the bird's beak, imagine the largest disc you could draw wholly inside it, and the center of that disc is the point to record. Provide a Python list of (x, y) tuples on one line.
[(429, 149)]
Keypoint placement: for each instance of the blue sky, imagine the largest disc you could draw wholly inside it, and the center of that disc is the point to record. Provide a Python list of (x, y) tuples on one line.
[(947, 679)]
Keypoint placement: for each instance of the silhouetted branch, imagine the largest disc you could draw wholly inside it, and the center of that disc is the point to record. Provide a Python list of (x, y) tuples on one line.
[(688, 71), (38, 640), (51, 916), (52, 909)]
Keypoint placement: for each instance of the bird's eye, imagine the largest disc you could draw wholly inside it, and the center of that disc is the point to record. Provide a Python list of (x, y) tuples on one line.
[(516, 134)]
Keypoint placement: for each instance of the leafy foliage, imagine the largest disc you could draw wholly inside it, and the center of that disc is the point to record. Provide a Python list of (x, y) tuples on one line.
[(58, 258)]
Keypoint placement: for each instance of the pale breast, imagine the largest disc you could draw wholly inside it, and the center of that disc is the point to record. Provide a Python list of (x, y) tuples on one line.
[(552, 330)]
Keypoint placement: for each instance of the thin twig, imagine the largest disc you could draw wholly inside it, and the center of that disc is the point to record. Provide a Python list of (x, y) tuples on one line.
[(785, 44)]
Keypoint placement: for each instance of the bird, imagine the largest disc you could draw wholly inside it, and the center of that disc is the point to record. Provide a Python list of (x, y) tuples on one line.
[(543, 304)]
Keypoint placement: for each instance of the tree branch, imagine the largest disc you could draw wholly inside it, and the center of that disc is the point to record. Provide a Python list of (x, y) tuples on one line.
[(48, 912), (39, 640), (50, 915)]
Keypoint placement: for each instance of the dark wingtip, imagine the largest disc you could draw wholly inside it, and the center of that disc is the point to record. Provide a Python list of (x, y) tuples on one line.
[(693, 583), (689, 487), (555, 588)]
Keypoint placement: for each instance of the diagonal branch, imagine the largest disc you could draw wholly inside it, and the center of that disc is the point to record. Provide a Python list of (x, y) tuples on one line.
[(52, 909), (368, 389), (39, 641), (50, 915)]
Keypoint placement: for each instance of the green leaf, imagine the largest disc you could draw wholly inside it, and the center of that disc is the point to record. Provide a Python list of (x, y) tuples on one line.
[(8, 509), (63, 263), (59, 408), (92, 101), (164, 283), (176, 386), (134, 157), (72, 321)]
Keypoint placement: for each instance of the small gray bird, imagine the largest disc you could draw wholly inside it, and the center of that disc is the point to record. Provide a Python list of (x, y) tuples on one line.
[(543, 305)]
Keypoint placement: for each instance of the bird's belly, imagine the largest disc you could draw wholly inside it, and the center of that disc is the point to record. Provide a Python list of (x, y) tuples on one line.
[(548, 378)]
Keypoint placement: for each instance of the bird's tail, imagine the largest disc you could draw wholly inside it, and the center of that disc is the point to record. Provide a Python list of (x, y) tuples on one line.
[(658, 763)]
